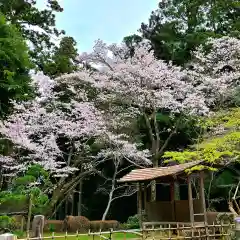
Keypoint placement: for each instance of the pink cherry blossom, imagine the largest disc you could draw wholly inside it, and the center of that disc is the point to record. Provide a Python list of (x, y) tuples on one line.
[(103, 105)]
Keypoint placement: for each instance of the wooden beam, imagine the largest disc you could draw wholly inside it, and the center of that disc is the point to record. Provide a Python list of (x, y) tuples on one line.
[(190, 200), (145, 201), (202, 196)]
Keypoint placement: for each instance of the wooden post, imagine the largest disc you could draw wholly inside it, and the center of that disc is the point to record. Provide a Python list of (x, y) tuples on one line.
[(176, 190), (22, 223), (145, 201), (140, 203), (145, 196), (190, 200), (202, 195), (172, 191), (172, 197), (153, 190)]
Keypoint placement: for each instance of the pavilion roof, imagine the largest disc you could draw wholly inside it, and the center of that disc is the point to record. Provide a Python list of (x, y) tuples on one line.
[(146, 174)]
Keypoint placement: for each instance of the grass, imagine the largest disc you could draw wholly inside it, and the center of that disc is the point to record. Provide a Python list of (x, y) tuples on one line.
[(61, 236), (95, 237)]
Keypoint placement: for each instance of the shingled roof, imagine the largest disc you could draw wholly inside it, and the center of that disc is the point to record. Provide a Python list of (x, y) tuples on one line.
[(145, 174)]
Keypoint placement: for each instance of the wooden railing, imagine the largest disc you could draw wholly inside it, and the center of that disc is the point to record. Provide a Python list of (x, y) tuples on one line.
[(163, 231)]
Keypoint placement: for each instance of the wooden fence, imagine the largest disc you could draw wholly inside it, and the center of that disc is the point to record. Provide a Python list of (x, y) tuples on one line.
[(165, 231), (155, 231)]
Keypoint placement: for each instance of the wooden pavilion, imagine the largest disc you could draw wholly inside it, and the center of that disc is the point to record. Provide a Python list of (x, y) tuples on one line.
[(190, 210)]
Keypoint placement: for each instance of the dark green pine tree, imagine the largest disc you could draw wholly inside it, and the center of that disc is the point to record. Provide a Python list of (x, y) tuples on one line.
[(37, 26), (63, 60), (14, 67)]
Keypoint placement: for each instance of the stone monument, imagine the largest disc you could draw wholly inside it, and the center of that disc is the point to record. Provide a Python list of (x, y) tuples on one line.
[(37, 226)]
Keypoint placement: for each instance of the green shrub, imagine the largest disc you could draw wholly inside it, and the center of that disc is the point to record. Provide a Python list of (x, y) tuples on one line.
[(133, 222), (7, 222)]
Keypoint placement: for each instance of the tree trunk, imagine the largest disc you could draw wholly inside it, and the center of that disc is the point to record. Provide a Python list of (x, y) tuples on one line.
[(231, 209), (155, 144), (52, 204), (108, 205), (1, 179), (110, 198), (153, 183), (64, 189), (29, 214), (66, 207), (80, 199), (72, 206), (156, 148)]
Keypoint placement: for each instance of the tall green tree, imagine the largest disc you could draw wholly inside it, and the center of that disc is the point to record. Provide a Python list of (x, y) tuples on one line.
[(63, 58), (37, 26), (14, 67), (177, 27)]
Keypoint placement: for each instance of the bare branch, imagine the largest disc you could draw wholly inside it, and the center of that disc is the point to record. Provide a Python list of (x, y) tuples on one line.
[(124, 195), (124, 169), (236, 191), (157, 133)]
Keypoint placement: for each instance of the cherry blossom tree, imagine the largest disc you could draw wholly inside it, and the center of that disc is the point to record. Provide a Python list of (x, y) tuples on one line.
[(146, 86), (119, 153), (215, 70), (59, 127), (140, 85), (57, 130), (36, 127), (126, 88)]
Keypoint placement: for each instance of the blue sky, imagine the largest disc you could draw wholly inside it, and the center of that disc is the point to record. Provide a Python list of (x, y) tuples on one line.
[(109, 20)]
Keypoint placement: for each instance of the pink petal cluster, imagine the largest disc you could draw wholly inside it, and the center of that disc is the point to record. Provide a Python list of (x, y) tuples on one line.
[(36, 126), (142, 80), (116, 147), (216, 72)]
